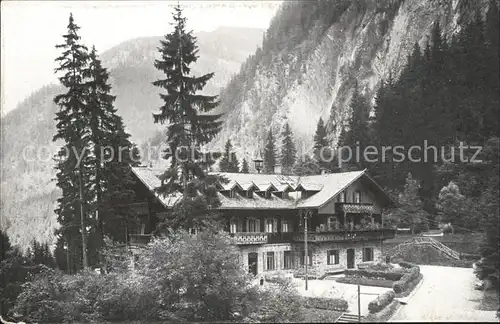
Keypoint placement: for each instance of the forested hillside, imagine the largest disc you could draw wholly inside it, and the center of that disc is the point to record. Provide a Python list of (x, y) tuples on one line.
[(27, 190), (312, 55)]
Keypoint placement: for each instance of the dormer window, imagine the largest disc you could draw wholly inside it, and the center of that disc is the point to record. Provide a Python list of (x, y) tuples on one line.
[(357, 197)]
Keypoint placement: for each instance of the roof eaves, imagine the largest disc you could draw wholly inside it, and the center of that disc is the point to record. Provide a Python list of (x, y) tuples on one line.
[(342, 189)]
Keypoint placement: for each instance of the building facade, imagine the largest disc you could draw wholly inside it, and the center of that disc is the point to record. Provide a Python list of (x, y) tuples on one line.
[(266, 217)]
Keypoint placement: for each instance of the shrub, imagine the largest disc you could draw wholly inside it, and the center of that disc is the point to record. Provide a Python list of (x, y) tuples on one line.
[(280, 303), (337, 304), (381, 266), (407, 265), (381, 301), (403, 284), (46, 299)]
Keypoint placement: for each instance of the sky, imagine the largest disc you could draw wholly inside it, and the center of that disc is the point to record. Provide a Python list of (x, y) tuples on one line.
[(31, 29)]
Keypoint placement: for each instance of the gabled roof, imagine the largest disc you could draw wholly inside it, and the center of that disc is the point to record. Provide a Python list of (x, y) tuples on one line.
[(325, 187), (231, 185), (149, 177)]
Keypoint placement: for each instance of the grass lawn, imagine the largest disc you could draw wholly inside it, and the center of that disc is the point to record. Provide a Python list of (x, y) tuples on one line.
[(366, 282), (313, 315)]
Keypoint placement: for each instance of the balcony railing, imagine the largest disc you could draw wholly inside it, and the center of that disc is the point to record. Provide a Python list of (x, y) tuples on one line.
[(341, 235), (139, 239), (249, 238), (355, 208), (332, 236)]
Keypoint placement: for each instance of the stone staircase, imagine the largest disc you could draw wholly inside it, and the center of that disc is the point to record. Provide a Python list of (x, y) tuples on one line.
[(423, 240), (349, 318)]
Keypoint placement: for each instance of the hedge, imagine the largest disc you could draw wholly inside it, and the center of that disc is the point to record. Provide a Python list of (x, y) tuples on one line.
[(408, 265), (366, 282), (381, 301), (402, 284), (336, 304), (375, 274)]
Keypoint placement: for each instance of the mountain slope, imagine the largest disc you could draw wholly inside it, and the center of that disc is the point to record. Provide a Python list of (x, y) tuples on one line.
[(28, 195), (313, 54)]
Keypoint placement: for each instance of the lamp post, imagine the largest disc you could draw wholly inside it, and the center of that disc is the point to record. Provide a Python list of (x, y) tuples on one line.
[(305, 214), (258, 161), (82, 221)]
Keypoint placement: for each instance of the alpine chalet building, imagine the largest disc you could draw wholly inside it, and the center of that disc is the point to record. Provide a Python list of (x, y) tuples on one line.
[(264, 215)]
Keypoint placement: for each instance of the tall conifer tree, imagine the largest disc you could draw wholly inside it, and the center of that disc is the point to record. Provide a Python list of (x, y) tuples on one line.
[(72, 131), (229, 161), (357, 136), (270, 154), (110, 157), (244, 166), (288, 151), (191, 125)]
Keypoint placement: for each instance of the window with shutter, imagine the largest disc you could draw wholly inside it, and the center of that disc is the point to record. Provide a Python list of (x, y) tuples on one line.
[(332, 257), (367, 254)]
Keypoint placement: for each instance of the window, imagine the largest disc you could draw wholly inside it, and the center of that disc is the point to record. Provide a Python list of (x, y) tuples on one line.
[(332, 257), (252, 226), (249, 193), (333, 222), (284, 226), (367, 254), (303, 258), (357, 197), (269, 225), (233, 226), (270, 261), (342, 197), (231, 194), (287, 260)]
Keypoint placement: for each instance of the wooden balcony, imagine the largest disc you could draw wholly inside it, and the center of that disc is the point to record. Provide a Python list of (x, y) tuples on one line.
[(261, 238), (343, 235), (354, 208), (139, 239), (249, 238)]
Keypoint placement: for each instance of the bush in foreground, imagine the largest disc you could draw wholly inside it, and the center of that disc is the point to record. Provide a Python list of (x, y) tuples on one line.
[(278, 303), (181, 278)]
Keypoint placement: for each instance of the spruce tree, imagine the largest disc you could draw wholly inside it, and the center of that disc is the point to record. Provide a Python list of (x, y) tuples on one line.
[(71, 130), (110, 158), (323, 153), (269, 154), (288, 151), (244, 166), (357, 137), (229, 162), (191, 124)]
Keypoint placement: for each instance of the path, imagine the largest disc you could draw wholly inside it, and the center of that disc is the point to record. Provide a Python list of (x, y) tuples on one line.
[(446, 294)]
